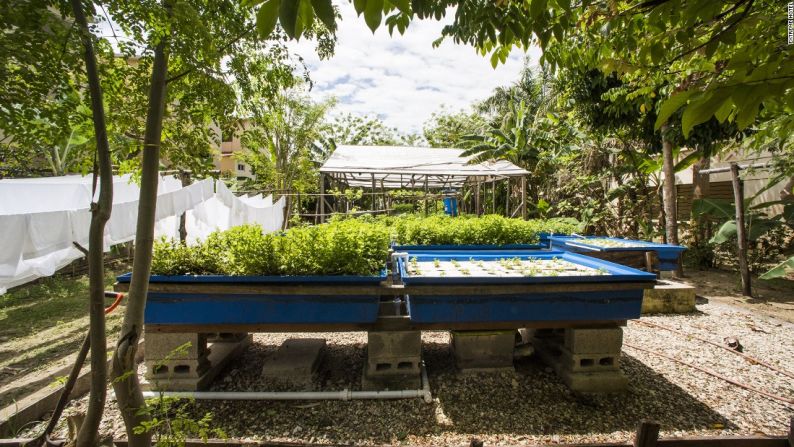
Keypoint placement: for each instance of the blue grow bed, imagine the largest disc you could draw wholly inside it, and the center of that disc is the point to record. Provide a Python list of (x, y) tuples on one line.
[(590, 301), (472, 247), (257, 305), (668, 254)]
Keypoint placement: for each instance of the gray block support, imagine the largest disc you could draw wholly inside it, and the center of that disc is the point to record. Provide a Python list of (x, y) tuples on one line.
[(483, 351), (296, 361), (668, 297), (393, 360), (586, 359), (172, 366)]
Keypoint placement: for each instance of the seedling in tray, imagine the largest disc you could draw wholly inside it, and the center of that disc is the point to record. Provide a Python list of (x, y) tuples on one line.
[(504, 267)]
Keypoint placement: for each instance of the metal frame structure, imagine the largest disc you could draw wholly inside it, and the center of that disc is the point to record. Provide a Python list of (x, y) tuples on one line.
[(433, 171)]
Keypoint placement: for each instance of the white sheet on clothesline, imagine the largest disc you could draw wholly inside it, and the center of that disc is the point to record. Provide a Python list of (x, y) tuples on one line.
[(40, 219)]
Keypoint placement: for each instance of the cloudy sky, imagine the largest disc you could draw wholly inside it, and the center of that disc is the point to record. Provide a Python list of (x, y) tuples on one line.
[(403, 79)]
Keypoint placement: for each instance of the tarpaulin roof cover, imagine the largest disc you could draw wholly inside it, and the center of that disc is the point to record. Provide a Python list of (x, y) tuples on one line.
[(401, 166)]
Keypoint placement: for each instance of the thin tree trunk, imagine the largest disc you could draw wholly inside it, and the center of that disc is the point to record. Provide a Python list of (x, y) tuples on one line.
[(100, 214), (700, 190), (668, 189), (125, 383), (670, 206)]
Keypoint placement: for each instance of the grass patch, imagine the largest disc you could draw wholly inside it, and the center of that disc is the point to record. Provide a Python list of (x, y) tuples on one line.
[(49, 302)]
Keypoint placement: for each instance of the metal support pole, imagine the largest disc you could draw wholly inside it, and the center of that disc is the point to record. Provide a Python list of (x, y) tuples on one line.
[(507, 197), (426, 191), (374, 204), (524, 197), (493, 196), (738, 198), (477, 198), (322, 198)]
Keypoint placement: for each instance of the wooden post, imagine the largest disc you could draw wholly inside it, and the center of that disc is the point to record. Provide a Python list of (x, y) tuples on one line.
[(524, 197), (738, 198), (322, 198), (647, 435)]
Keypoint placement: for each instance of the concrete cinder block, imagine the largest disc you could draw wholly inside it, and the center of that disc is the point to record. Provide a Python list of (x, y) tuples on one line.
[(392, 344), (176, 345), (226, 337), (393, 360), (186, 379), (182, 368), (483, 350), (593, 341), (585, 373), (607, 361), (596, 382), (669, 297), (296, 361)]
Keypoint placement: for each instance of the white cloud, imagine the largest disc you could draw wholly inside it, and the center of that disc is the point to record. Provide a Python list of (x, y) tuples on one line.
[(403, 79)]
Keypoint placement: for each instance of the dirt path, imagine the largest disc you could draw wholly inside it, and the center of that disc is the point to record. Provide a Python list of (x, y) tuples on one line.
[(774, 298)]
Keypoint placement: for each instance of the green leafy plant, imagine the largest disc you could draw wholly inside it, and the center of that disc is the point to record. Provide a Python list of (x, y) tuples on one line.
[(342, 247), (761, 228)]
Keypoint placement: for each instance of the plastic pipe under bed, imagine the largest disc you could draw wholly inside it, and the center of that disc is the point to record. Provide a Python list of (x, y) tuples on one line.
[(424, 393)]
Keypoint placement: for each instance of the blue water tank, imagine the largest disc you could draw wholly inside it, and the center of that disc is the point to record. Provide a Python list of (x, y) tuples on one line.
[(451, 206)]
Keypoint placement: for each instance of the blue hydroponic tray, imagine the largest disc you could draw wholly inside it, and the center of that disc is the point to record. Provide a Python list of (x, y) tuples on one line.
[(581, 305), (668, 254), (329, 279), (448, 247), (260, 306)]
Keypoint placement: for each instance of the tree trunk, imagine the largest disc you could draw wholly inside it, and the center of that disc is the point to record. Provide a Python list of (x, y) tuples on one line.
[(700, 190), (668, 189), (100, 214), (125, 383)]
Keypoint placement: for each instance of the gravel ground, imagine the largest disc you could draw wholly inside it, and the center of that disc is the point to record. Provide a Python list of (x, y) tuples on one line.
[(531, 405)]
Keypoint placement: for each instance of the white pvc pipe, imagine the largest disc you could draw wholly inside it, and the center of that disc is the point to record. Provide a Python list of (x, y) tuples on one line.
[(424, 393)]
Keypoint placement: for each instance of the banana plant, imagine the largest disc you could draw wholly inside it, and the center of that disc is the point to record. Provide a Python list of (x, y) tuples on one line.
[(60, 157), (759, 223)]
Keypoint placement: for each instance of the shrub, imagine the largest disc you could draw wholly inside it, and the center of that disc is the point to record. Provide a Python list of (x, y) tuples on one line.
[(343, 246), (467, 230)]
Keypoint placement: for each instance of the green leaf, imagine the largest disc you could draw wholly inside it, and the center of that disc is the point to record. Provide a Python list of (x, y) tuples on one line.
[(305, 17), (288, 15), (373, 14), (726, 233), (779, 271), (359, 6), (716, 207), (536, 9), (670, 106), (747, 114), (724, 111), (688, 161), (324, 10), (267, 17), (702, 110), (403, 5)]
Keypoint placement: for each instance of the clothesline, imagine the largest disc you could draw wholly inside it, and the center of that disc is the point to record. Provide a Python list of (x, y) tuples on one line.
[(41, 219)]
